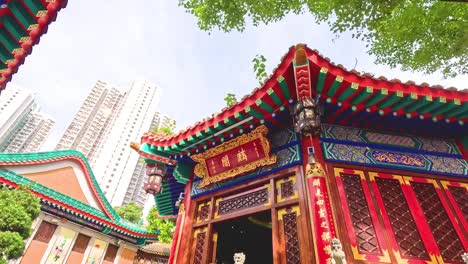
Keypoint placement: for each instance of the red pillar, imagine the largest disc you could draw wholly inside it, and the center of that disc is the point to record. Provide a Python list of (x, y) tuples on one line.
[(180, 233), (323, 227)]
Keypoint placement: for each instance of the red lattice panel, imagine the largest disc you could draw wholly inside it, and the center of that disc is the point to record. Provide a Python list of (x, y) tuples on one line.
[(292, 242), (244, 201), (460, 194), (360, 215), (403, 225), (204, 212), (199, 248), (287, 189), (444, 233)]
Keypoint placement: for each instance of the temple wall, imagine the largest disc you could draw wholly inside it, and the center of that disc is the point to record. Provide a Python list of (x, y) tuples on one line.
[(75, 258), (397, 198), (54, 241), (34, 252)]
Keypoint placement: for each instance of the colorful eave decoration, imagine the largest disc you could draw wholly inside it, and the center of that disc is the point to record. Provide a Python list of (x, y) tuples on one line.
[(149, 156), (109, 219), (22, 23), (349, 98), (237, 156)]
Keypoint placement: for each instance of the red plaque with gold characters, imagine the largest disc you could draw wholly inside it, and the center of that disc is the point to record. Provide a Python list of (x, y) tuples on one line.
[(237, 156)]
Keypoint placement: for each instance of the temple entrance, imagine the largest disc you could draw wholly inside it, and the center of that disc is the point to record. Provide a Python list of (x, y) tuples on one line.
[(251, 235), (261, 220)]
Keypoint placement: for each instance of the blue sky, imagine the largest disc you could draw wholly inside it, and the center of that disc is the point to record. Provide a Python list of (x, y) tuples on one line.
[(117, 41)]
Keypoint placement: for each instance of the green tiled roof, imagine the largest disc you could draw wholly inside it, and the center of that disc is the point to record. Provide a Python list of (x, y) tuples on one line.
[(51, 156)]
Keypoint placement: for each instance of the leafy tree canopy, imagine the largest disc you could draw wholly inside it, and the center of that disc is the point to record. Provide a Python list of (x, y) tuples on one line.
[(419, 35), (230, 99), (166, 130), (131, 212), (165, 227), (259, 68), (19, 208), (167, 125), (11, 245)]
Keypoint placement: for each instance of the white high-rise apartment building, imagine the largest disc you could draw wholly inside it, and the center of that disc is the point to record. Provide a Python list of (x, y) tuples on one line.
[(93, 120), (109, 119), (32, 135), (22, 127)]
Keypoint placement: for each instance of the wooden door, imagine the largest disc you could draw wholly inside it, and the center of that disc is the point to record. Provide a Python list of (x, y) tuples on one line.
[(280, 194)]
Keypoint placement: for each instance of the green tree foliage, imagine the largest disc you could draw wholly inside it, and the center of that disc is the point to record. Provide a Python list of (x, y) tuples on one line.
[(259, 68), (131, 212), (19, 208), (11, 245), (230, 99), (168, 125), (166, 130), (165, 227), (419, 35)]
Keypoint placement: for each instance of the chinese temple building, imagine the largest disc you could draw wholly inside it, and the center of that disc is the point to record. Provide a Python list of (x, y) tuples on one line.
[(77, 224), (318, 165), (23, 23)]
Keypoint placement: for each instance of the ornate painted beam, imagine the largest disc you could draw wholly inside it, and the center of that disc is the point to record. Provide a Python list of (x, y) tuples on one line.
[(274, 97), (379, 95), (438, 102), (335, 85), (265, 106), (423, 101), (14, 28), (391, 99), (408, 99), (284, 87), (25, 18), (362, 94), (8, 41), (459, 111), (321, 80), (447, 107), (36, 7), (348, 92)]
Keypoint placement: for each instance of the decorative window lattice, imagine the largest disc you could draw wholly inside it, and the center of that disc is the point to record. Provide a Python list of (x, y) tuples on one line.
[(204, 212), (287, 189), (445, 235), (199, 248), (81, 243), (45, 232), (292, 241), (360, 216), (399, 214), (244, 201), (460, 195), (111, 253)]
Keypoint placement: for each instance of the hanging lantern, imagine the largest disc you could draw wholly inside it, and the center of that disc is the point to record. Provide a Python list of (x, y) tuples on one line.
[(155, 178), (306, 117)]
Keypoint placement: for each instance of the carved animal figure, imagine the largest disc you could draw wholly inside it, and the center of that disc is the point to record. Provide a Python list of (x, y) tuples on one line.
[(337, 254), (239, 258)]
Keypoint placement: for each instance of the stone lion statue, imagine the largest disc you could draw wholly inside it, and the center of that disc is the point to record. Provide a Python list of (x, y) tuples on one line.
[(239, 258), (337, 254)]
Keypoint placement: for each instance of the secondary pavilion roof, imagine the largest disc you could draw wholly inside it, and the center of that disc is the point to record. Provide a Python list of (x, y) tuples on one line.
[(348, 98), (107, 219), (22, 23)]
